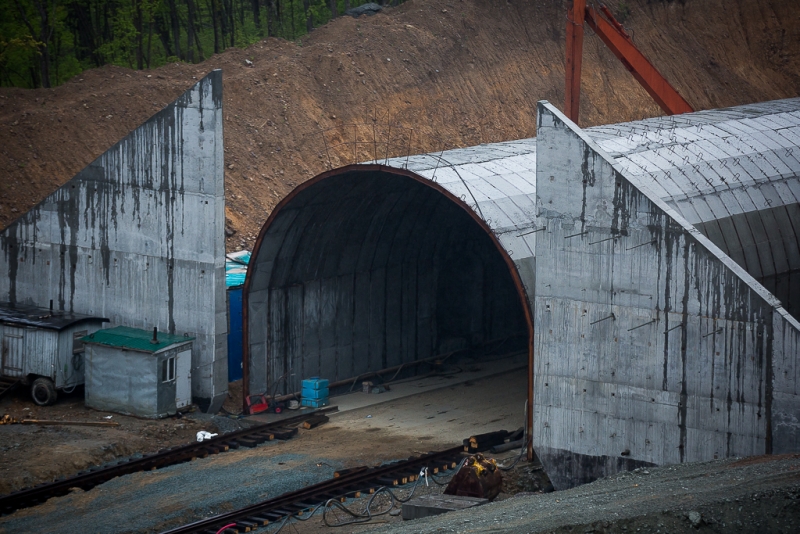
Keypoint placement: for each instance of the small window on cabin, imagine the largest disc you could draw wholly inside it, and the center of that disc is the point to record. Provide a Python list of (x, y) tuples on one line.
[(77, 344), (168, 369)]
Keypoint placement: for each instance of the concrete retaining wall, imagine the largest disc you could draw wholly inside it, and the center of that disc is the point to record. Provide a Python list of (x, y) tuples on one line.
[(138, 236)]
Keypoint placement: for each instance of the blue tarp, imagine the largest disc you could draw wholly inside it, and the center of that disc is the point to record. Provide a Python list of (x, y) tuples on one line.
[(234, 334), (236, 268), (235, 272)]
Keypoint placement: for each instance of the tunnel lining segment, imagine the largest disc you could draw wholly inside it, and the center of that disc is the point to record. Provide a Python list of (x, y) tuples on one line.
[(286, 217)]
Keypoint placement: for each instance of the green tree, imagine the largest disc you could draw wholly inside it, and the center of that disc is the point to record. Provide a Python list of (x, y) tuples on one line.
[(46, 42)]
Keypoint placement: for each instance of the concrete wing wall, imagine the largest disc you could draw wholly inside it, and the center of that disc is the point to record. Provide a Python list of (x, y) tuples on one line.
[(138, 236), (651, 345)]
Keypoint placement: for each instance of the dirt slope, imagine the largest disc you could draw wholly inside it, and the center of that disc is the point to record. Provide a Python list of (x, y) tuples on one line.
[(458, 72), (757, 495)]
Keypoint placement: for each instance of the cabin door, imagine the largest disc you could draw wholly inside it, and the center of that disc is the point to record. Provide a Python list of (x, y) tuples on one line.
[(12, 364), (183, 379)]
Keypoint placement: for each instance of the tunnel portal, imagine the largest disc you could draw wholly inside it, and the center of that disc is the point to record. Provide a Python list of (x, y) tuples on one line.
[(366, 270)]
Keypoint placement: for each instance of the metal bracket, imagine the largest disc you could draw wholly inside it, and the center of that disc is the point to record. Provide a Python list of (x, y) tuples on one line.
[(612, 316)]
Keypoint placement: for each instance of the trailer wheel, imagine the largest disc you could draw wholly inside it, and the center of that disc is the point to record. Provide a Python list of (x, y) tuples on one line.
[(43, 391)]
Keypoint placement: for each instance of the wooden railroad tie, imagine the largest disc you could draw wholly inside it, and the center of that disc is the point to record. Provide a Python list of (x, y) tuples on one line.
[(285, 433), (313, 422)]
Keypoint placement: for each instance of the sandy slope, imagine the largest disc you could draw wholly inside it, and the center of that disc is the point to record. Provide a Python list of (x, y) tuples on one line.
[(458, 72)]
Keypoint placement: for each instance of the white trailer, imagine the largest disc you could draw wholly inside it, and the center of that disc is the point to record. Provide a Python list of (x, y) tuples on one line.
[(42, 348)]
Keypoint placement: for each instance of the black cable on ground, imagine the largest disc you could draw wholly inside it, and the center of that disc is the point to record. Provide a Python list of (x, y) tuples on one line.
[(449, 476), (368, 514), (516, 461)]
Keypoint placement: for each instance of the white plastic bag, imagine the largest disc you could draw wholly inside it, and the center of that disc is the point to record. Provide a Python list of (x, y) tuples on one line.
[(203, 435)]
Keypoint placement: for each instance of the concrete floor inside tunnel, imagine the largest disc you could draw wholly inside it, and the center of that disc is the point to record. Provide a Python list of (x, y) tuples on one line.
[(364, 271), (444, 406)]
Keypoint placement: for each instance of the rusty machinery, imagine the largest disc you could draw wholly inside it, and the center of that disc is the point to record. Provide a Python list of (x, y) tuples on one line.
[(612, 33)]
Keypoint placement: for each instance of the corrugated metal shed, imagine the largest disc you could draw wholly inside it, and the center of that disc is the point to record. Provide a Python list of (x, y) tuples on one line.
[(126, 372), (38, 343), (134, 339)]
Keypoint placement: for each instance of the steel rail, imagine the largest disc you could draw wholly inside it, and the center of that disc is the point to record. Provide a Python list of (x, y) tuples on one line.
[(349, 483), (94, 476)]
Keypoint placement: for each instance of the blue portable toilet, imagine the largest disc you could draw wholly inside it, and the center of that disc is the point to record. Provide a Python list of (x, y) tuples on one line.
[(235, 273)]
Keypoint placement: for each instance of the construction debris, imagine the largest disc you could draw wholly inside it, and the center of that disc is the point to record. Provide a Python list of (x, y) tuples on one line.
[(478, 477), (203, 435)]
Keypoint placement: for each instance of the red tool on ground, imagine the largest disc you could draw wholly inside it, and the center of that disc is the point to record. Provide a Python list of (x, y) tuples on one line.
[(611, 32), (256, 404)]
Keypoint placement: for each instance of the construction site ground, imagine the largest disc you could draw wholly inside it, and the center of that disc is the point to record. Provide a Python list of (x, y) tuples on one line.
[(32, 454), (759, 494), (423, 414)]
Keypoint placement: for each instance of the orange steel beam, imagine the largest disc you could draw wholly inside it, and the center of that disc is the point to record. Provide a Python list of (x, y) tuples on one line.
[(574, 56), (619, 42)]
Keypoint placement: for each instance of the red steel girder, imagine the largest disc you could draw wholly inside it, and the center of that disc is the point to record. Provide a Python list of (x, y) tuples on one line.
[(619, 42), (574, 57)]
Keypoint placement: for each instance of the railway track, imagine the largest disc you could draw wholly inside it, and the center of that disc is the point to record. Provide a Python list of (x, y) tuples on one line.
[(350, 483), (92, 477)]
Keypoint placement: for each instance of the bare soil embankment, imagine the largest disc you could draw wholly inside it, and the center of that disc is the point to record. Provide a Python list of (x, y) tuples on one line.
[(459, 72)]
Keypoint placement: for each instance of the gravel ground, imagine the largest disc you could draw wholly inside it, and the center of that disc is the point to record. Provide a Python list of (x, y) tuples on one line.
[(32, 454), (758, 495), (522, 477), (751, 495), (183, 493), (176, 494)]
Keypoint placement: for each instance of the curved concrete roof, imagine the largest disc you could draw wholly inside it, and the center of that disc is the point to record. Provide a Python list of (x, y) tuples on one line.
[(738, 166), (497, 181), (734, 173)]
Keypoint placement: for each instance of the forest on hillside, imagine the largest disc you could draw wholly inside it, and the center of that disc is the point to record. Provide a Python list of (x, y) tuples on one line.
[(43, 43)]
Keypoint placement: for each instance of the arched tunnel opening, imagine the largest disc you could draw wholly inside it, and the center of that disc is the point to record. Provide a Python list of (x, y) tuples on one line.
[(367, 269)]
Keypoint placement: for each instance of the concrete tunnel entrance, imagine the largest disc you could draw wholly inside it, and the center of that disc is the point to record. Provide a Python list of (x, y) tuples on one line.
[(367, 268)]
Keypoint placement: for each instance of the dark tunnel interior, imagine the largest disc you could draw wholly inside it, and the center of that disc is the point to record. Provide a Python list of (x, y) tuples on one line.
[(364, 271)]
